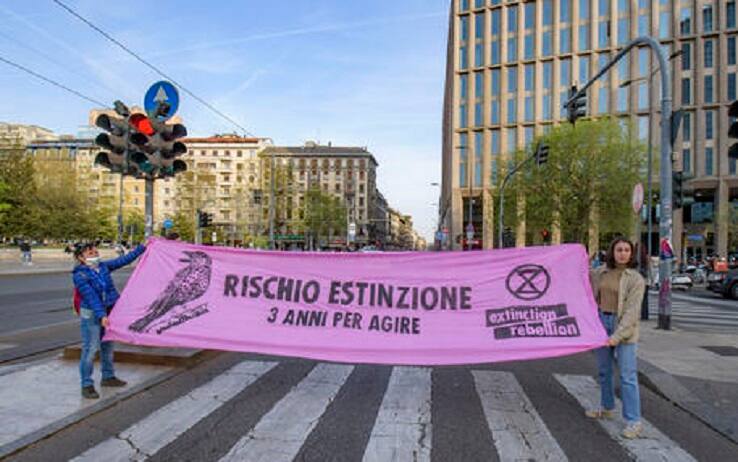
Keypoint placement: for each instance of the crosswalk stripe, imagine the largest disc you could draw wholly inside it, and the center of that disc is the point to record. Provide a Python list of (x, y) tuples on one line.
[(402, 430), (651, 445), (146, 437), (517, 429), (279, 434)]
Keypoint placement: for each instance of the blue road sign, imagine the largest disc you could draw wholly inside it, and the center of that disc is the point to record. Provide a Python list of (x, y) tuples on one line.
[(161, 100), (168, 223)]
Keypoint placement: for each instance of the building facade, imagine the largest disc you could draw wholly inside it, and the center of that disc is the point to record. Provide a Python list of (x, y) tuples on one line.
[(24, 134), (510, 65), (346, 173)]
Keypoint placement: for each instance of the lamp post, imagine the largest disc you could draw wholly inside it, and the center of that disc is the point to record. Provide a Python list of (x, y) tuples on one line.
[(649, 192)]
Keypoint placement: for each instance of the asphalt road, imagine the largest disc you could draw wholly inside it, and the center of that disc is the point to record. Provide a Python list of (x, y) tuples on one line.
[(36, 313), (456, 426)]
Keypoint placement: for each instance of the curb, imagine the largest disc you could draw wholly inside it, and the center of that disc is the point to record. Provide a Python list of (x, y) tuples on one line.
[(103, 404), (665, 385), (153, 357)]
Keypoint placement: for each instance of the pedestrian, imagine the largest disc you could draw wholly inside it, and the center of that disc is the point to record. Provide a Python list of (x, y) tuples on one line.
[(92, 279), (618, 289), (25, 248)]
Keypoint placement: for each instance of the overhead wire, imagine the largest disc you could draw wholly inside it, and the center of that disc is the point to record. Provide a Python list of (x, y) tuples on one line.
[(151, 66), (51, 81)]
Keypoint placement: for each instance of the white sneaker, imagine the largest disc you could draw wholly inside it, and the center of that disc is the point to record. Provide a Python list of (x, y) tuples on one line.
[(633, 430)]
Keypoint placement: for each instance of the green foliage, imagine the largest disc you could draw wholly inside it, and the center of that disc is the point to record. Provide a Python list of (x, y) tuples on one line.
[(324, 215), (21, 216), (133, 226), (590, 174), (184, 225)]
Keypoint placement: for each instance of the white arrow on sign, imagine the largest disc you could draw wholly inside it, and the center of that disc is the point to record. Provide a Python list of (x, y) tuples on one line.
[(161, 95)]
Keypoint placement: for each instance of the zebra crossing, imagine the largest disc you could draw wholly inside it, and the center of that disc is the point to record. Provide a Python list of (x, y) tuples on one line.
[(713, 315), (402, 427)]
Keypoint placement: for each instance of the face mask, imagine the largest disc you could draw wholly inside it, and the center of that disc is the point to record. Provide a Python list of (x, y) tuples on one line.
[(92, 261)]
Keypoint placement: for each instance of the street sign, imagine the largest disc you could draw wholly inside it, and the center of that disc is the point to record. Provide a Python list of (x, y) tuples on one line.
[(161, 100), (637, 201), (168, 223)]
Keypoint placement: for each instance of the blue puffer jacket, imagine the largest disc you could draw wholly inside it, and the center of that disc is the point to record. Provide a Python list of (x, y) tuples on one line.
[(96, 286)]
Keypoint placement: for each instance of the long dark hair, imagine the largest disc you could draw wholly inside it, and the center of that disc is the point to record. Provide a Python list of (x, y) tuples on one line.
[(610, 258)]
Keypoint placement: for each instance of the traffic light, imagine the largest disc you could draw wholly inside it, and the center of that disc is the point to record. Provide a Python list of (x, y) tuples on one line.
[(576, 108), (115, 141), (541, 153), (204, 219), (733, 130), (158, 147)]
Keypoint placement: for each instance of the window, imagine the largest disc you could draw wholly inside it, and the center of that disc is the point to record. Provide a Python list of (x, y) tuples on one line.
[(664, 24), (732, 166), (512, 79), (643, 95), (643, 24), (512, 19), (686, 56), (686, 160), (565, 11), (494, 52), (583, 37), (583, 69), (731, 51), (643, 55), (685, 21), (731, 86), (565, 40), (530, 77), (478, 155), (602, 103), (709, 125), (547, 75), (463, 118), (707, 18), (512, 112), (512, 139), (687, 126), (623, 30), (686, 90), (603, 34), (547, 111), (512, 49), (730, 15), (464, 86), (495, 80), (530, 15), (622, 101), (464, 5), (495, 22), (708, 53), (528, 134), (463, 58), (708, 161), (478, 115), (479, 55), (478, 84), (494, 141), (584, 10), (565, 72), (529, 109), (464, 30), (529, 43), (709, 98), (463, 145)]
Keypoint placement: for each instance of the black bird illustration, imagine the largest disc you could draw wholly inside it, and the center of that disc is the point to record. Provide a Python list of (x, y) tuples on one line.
[(189, 284)]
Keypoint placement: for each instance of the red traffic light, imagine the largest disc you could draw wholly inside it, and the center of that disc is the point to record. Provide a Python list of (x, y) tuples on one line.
[(141, 123)]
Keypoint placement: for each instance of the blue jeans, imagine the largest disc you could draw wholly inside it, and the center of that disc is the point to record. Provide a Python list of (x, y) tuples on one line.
[(92, 333), (625, 354)]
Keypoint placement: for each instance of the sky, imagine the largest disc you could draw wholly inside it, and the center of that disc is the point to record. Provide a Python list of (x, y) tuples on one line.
[(355, 73)]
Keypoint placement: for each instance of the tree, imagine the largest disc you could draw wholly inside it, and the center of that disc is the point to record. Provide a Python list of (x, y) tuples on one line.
[(133, 226), (195, 190), (324, 216), (184, 225), (21, 216), (584, 187)]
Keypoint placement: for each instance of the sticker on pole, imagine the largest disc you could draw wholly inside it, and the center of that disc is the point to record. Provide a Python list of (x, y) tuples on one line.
[(161, 100), (637, 197)]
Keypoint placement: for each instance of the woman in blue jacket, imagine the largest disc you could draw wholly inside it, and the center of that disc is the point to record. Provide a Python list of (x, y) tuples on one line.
[(92, 279)]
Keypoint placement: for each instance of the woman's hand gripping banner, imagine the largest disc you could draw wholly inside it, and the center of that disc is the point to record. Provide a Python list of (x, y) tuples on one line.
[(418, 308)]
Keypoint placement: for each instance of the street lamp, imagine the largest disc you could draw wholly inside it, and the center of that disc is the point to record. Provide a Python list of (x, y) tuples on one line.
[(649, 193)]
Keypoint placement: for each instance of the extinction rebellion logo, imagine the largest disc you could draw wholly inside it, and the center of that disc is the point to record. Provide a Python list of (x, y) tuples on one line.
[(531, 282)]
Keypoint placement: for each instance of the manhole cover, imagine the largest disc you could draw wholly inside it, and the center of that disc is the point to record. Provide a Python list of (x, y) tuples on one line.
[(722, 350)]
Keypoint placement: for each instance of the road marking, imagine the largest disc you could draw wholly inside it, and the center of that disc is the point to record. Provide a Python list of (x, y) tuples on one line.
[(402, 430), (279, 435), (652, 445), (517, 429), (143, 439)]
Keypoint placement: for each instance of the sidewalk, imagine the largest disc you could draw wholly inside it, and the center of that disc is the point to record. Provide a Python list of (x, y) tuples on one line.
[(45, 261), (696, 371)]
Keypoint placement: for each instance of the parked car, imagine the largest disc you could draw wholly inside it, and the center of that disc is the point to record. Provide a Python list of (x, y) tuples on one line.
[(681, 281), (715, 281), (729, 285)]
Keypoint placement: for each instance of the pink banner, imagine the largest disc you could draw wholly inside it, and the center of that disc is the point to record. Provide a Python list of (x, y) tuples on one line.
[(421, 308)]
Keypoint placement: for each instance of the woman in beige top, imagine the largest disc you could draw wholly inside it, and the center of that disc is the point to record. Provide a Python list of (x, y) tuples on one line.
[(618, 289)]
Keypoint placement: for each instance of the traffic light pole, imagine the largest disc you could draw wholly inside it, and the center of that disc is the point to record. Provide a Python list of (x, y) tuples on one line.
[(502, 195), (149, 208), (665, 220)]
